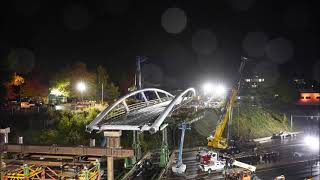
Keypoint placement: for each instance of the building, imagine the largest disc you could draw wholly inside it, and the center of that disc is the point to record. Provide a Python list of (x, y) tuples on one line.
[(252, 82), (300, 83), (309, 98)]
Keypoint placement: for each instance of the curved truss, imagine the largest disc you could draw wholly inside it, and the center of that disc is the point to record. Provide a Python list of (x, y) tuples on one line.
[(184, 98), (113, 111)]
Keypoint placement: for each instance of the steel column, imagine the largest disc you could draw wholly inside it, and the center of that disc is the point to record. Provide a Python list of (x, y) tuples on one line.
[(136, 148), (164, 154), (113, 142), (110, 173)]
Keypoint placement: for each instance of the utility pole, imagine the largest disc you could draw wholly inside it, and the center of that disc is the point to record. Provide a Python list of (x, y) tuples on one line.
[(101, 93), (139, 60), (239, 119), (229, 124), (291, 122)]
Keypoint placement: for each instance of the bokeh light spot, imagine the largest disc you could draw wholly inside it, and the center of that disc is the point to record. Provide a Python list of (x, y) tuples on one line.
[(254, 44), (204, 42), (279, 50), (174, 20)]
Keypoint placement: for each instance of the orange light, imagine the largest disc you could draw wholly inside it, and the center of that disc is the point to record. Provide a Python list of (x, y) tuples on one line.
[(309, 98)]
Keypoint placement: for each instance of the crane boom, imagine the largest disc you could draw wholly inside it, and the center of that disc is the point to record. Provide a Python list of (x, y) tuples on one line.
[(217, 141)]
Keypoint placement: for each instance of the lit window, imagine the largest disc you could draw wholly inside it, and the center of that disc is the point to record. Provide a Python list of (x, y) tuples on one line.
[(247, 80)]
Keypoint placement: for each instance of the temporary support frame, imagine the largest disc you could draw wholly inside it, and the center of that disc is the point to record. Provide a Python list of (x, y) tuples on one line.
[(164, 150), (129, 162)]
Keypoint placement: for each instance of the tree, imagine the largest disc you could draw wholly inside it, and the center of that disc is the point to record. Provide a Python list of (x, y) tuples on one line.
[(78, 72), (283, 92), (13, 86), (65, 81), (102, 75), (60, 88), (17, 80), (33, 88), (110, 90)]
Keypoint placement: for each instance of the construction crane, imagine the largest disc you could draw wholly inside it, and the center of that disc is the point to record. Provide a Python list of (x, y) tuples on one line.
[(217, 141)]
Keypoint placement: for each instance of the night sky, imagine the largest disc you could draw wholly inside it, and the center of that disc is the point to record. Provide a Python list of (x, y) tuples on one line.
[(186, 42)]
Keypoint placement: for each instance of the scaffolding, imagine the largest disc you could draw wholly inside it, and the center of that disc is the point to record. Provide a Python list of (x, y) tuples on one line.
[(27, 172), (91, 174), (33, 172)]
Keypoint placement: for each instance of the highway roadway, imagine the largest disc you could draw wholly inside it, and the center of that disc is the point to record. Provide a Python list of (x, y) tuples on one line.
[(294, 168)]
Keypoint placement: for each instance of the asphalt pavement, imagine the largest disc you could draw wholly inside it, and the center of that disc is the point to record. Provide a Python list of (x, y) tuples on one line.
[(295, 161)]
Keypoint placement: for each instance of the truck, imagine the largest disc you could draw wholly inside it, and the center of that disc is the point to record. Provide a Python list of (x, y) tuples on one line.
[(239, 170), (210, 162)]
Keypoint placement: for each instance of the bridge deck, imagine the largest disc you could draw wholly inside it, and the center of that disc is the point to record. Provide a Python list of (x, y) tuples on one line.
[(147, 115), (135, 119)]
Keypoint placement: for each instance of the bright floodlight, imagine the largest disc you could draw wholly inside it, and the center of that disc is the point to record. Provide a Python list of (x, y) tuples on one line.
[(208, 88), (214, 90), (81, 86), (219, 90), (312, 142)]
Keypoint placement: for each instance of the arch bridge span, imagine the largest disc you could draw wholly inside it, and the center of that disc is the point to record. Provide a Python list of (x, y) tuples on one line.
[(146, 113)]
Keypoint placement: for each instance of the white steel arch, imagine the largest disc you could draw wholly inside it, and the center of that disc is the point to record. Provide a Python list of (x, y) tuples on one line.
[(183, 98), (127, 108)]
